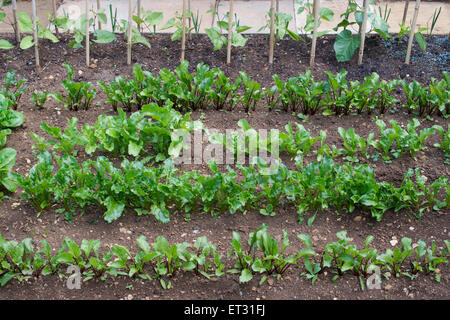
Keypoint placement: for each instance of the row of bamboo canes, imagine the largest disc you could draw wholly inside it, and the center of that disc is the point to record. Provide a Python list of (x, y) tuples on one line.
[(186, 4)]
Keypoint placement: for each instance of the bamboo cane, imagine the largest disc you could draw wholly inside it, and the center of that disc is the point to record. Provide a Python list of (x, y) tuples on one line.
[(411, 34), (139, 14), (87, 34), (98, 9), (35, 34), (277, 10), (130, 22), (272, 40), (216, 8), (405, 11), (15, 26), (189, 19), (54, 17), (183, 38), (295, 16), (363, 31), (314, 39), (230, 32)]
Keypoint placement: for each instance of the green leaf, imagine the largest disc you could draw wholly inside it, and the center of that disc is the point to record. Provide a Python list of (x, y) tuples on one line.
[(74, 249), (63, 258), (55, 132), (170, 24), (223, 24), (134, 148), (10, 181), (368, 241), (293, 35), (143, 244), (161, 214), (5, 45), (177, 35), (24, 21), (238, 40), (138, 20), (138, 38), (7, 277), (241, 29), (13, 119), (90, 245), (306, 239), (263, 279), (326, 14), (379, 25), (346, 45), (114, 209), (154, 18), (305, 252), (311, 220), (104, 36), (102, 17), (47, 34), (7, 159), (246, 276), (3, 134), (216, 37), (421, 41), (26, 43)]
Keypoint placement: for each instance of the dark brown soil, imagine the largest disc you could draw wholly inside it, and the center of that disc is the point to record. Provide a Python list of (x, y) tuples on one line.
[(18, 220)]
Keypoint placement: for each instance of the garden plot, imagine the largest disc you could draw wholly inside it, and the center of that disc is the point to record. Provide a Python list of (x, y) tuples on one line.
[(90, 170)]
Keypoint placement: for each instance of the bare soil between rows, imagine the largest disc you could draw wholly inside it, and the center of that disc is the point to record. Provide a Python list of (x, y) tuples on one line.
[(18, 220)]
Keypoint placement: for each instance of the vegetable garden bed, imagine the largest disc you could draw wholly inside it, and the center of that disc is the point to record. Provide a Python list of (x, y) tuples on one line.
[(18, 218)]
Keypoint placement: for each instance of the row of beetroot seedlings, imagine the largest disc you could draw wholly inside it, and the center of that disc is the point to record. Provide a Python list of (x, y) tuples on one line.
[(262, 255), (211, 88), (160, 190)]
